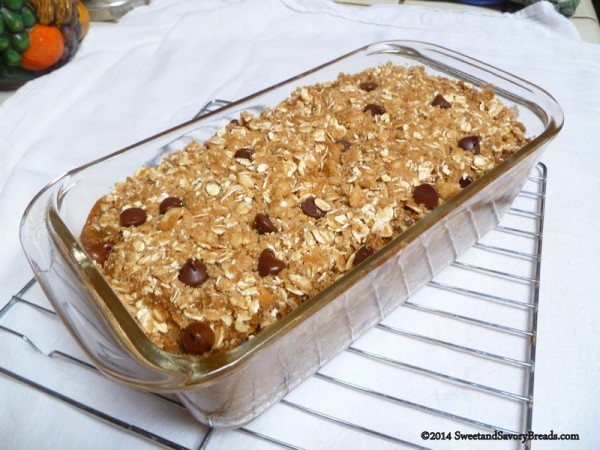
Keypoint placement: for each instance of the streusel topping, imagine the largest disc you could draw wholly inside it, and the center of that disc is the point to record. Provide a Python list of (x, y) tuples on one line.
[(223, 238)]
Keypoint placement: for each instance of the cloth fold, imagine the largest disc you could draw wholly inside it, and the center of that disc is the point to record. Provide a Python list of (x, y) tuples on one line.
[(163, 61)]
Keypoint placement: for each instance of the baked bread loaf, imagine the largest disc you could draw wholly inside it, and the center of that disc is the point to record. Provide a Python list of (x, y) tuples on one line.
[(223, 238)]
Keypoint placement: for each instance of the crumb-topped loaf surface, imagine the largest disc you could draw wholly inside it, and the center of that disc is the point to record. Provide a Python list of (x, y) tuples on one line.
[(225, 237)]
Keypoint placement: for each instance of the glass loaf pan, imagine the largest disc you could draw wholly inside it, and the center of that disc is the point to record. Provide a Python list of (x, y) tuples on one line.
[(229, 390)]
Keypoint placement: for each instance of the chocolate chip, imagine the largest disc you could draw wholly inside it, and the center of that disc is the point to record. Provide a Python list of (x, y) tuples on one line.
[(464, 182), (133, 217), (368, 86), (99, 252), (363, 253), (310, 208), (198, 338), (441, 102), (426, 194), (170, 202), (262, 224), (374, 109), (470, 144), (244, 153), (193, 273), (234, 122), (345, 144), (268, 264)]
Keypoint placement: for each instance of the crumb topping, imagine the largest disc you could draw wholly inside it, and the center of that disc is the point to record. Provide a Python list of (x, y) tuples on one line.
[(237, 231)]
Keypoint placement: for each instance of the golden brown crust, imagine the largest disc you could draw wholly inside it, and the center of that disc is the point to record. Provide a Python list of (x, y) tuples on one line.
[(361, 166)]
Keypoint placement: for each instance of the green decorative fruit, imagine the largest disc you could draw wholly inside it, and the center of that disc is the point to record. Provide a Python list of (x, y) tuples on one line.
[(20, 41), (13, 21), (14, 5), (11, 57)]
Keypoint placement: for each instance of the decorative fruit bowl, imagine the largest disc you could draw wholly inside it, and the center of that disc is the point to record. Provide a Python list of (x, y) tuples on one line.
[(38, 36)]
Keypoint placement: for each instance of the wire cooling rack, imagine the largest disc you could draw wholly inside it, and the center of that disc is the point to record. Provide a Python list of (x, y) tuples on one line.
[(462, 361)]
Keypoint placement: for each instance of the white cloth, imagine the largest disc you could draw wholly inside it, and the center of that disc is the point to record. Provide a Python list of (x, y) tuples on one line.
[(162, 62)]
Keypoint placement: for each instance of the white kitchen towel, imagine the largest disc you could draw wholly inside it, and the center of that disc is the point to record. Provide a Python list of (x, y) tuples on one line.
[(162, 62)]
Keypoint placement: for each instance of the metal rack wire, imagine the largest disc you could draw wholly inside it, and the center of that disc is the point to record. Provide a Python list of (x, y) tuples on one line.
[(451, 343)]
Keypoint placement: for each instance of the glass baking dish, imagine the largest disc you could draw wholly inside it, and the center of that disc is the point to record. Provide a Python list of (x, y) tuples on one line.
[(230, 389)]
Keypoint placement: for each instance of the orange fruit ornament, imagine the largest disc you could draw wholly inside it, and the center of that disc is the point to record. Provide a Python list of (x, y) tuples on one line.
[(46, 47)]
